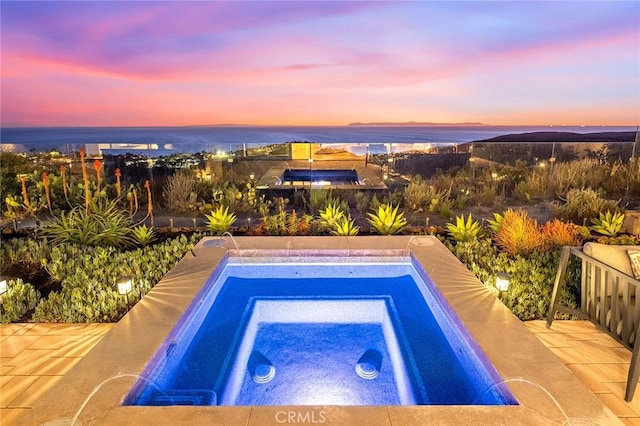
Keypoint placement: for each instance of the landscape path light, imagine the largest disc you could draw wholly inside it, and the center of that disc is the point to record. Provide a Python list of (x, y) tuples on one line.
[(502, 281), (3, 290), (124, 287)]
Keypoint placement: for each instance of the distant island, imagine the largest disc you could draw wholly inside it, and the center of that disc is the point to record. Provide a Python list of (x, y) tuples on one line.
[(416, 123), (562, 137)]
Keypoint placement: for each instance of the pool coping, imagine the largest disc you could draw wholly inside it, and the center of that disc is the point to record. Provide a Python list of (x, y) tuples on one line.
[(514, 351)]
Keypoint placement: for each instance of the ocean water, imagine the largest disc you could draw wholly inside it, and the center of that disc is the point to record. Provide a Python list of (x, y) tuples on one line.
[(167, 140)]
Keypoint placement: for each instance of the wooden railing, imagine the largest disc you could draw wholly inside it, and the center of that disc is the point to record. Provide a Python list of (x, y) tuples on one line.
[(608, 299)]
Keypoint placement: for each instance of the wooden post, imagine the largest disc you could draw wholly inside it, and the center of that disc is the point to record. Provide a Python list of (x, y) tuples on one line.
[(558, 284)]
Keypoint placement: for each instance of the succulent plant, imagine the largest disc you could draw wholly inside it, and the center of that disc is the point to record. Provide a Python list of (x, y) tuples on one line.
[(345, 227), (220, 220), (144, 235), (608, 223), (332, 214), (496, 222), (387, 220), (464, 230)]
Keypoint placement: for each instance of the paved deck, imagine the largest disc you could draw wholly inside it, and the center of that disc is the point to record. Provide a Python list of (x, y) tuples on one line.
[(33, 357), (596, 359)]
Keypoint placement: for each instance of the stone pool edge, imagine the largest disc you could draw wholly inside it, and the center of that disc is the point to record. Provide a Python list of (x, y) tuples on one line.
[(511, 347)]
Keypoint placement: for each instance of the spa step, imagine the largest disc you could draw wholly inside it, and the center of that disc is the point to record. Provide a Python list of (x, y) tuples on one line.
[(183, 397)]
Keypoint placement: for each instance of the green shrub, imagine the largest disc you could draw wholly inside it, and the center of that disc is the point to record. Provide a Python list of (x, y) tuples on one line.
[(87, 275), (362, 200), (446, 210), (618, 240), (284, 223), (19, 299), (179, 192), (102, 224), (419, 196), (387, 220), (581, 206), (531, 276)]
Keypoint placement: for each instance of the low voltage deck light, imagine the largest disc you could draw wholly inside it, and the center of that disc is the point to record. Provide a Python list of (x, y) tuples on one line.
[(3, 290), (124, 286), (502, 281)]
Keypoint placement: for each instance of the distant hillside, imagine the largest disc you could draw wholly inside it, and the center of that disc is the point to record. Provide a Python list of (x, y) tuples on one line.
[(564, 137), (414, 123)]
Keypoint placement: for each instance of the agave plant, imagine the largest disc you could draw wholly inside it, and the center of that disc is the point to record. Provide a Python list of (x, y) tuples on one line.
[(608, 224), (345, 227), (387, 221), (144, 235), (496, 223), (464, 230), (331, 215), (220, 220)]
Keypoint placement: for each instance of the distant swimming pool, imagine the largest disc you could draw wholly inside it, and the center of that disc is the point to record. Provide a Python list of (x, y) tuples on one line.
[(320, 177), (319, 331)]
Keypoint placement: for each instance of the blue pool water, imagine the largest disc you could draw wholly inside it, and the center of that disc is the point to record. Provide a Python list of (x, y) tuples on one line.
[(319, 331), (325, 177)]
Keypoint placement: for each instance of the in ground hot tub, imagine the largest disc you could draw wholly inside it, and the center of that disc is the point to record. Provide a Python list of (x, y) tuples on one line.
[(300, 330)]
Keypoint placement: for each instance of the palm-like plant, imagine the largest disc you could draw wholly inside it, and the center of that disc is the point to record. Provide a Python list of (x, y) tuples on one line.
[(387, 221), (220, 220)]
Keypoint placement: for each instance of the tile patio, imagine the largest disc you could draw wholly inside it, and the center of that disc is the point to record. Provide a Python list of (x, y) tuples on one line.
[(33, 357)]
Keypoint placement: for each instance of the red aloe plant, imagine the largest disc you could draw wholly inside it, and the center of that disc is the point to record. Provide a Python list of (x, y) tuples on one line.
[(97, 166), (118, 186), (63, 173), (85, 179), (149, 201), (47, 192), (25, 195)]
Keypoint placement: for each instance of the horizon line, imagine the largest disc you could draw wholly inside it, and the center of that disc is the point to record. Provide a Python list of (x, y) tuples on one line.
[(355, 124)]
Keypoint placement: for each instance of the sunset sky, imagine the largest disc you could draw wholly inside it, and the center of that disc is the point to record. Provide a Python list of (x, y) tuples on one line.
[(319, 63)]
